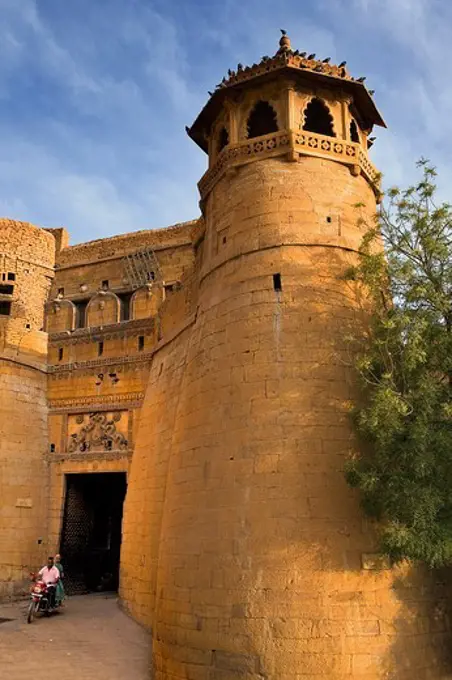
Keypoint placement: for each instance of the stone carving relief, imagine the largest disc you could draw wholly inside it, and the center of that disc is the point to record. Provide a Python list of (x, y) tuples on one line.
[(88, 432)]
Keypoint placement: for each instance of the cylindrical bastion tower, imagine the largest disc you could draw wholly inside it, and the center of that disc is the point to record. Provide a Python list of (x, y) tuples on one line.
[(245, 550), (27, 256)]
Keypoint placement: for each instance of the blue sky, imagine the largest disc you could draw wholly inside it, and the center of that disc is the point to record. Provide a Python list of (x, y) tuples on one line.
[(95, 95)]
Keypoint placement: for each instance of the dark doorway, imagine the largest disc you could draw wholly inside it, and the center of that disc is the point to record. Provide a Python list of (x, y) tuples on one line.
[(91, 537)]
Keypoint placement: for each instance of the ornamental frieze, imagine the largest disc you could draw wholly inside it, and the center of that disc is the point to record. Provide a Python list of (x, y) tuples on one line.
[(96, 363), (107, 332), (97, 403), (91, 432)]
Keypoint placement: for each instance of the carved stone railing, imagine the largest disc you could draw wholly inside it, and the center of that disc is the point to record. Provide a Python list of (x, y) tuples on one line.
[(369, 171), (274, 144), (294, 144), (312, 144)]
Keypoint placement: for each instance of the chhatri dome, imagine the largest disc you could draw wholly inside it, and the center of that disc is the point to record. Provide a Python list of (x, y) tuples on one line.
[(304, 69)]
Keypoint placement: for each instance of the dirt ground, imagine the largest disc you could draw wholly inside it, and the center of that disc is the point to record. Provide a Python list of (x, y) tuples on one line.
[(89, 639)]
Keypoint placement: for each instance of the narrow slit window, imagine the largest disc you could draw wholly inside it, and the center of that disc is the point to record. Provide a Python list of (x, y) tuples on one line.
[(61, 292), (100, 349), (80, 313), (60, 354), (105, 284), (277, 285), (125, 299), (140, 343)]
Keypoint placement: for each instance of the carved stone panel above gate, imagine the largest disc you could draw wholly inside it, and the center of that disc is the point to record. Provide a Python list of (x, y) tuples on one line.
[(92, 432)]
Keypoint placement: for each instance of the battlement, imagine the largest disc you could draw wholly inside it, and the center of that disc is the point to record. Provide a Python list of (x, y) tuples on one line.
[(117, 246)]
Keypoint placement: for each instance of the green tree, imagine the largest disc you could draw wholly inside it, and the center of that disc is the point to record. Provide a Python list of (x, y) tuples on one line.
[(404, 422)]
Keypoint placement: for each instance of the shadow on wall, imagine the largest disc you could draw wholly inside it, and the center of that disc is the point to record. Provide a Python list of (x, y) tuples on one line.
[(423, 641), (413, 603), (297, 578)]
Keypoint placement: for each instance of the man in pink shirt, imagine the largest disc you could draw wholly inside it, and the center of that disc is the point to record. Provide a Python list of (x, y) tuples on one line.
[(50, 575)]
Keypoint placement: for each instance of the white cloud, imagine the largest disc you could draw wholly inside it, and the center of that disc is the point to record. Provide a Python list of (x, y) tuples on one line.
[(91, 203), (67, 173)]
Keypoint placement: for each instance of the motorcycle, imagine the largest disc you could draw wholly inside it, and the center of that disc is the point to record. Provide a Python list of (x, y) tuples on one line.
[(40, 600)]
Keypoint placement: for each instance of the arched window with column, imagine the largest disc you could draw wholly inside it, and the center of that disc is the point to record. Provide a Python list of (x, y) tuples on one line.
[(318, 118), (222, 140), (262, 120)]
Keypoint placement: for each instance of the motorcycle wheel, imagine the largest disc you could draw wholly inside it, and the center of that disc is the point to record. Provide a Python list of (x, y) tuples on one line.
[(32, 609)]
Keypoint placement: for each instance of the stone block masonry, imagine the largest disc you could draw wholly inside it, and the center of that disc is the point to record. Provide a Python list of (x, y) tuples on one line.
[(209, 362), (27, 256), (243, 545)]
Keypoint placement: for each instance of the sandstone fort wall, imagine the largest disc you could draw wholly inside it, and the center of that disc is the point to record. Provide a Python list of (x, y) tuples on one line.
[(244, 549), (26, 271), (100, 363), (209, 361)]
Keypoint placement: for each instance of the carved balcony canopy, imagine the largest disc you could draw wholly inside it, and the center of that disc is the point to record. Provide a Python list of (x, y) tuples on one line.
[(302, 69)]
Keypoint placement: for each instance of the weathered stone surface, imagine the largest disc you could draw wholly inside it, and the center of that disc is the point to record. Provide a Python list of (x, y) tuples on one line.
[(223, 378)]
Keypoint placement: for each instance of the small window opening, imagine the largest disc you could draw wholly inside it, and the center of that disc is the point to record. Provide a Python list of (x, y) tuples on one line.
[(11, 276), (80, 313), (61, 292), (317, 118), (5, 308), (105, 284), (354, 134), (6, 289), (3, 276), (277, 283), (27, 325), (223, 139), (224, 239), (262, 120), (140, 343), (150, 276), (100, 349), (124, 300), (52, 448), (328, 219), (169, 287), (60, 354)]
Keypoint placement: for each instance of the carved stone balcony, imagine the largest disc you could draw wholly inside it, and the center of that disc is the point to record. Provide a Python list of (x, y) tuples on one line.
[(294, 144)]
